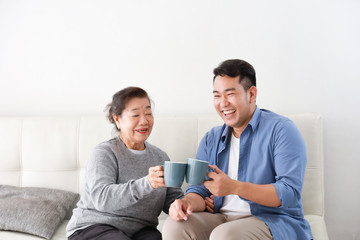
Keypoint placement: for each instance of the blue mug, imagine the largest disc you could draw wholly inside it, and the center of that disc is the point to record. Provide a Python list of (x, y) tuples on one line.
[(174, 173), (197, 170)]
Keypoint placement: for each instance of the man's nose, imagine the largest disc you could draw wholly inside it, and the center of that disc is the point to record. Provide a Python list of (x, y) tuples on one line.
[(224, 102)]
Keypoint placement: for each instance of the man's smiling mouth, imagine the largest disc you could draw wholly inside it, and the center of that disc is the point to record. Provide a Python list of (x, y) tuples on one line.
[(228, 112)]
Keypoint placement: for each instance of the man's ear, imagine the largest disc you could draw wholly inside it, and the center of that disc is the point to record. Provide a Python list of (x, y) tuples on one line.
[(252, 94)]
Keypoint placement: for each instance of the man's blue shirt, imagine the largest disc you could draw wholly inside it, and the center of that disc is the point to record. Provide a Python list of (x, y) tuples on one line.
[(272, 151)]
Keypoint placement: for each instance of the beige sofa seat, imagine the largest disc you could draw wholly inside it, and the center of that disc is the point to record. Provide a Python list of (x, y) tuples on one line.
[(52, 152)]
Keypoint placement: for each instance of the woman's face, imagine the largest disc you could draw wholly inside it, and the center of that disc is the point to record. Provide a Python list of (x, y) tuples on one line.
[(135, 123)]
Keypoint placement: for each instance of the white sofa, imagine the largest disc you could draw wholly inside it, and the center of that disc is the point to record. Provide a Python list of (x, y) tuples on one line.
[(51, 152)]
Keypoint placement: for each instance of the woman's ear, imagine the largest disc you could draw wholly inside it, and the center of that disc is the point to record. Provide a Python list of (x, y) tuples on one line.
[(116, 120)]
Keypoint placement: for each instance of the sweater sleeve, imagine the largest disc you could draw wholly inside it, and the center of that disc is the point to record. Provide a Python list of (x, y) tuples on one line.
[(101, 177), (171, 195)]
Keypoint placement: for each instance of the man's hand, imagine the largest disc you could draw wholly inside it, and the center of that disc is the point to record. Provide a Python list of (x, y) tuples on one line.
[(220, 183), (156, 177), (209, 201), (180, 209)]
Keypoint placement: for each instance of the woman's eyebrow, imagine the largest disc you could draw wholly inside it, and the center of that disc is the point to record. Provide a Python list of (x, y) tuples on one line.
[(137, 109)]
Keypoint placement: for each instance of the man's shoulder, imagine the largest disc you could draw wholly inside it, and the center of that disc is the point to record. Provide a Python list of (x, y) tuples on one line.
[(270, 120), (267, 114), (272, 117)]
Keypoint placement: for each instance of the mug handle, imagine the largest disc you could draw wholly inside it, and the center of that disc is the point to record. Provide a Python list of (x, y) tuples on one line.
[(210, 169)]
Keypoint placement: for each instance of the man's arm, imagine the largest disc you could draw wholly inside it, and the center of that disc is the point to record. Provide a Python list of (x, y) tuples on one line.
[(264, 194), (196, 201), (222, 185)]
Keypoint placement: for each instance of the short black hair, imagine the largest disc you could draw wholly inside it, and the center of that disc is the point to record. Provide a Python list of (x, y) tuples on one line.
[(237, 67)]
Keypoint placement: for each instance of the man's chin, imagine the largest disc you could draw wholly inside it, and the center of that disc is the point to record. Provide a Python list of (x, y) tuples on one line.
[(229, 122)]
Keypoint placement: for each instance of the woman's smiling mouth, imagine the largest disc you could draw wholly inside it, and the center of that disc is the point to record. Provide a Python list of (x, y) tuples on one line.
[(142, 130)]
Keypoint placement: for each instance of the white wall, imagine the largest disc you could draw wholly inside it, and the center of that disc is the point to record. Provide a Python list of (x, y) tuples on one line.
[(69, 57)]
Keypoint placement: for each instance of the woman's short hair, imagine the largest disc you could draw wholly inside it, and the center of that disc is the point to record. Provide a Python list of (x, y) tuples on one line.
[(121, 98)]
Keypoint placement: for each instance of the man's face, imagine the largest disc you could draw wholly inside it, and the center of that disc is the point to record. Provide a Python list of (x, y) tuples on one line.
[(234, 105)]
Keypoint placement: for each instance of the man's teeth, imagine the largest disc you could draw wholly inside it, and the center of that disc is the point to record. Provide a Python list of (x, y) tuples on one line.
[(228, 112)]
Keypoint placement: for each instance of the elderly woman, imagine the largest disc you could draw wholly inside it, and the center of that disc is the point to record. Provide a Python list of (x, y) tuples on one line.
[(124, 191)]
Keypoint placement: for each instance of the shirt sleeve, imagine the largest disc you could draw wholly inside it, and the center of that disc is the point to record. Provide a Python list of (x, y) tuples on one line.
[(290, 162)]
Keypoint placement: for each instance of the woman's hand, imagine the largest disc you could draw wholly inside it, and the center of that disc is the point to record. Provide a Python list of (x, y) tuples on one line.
[(156, 176), (209, 201), (180, 209)]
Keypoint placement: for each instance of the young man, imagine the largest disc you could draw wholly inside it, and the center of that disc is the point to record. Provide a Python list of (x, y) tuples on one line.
[(259, 161)]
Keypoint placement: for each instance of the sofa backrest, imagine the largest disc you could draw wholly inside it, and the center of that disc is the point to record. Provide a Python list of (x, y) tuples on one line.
[(53, 151)]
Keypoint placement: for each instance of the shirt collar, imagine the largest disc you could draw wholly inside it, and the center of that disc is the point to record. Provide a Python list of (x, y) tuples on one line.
[(253, 124)]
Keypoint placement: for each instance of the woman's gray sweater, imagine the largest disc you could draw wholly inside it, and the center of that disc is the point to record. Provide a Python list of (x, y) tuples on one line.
[(117, 191)]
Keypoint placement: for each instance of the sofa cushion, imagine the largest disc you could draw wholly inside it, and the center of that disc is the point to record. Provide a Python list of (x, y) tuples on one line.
[(34, 210)]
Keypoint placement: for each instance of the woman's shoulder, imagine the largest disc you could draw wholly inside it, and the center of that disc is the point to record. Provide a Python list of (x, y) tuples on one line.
[(156, 150), (108, 145)]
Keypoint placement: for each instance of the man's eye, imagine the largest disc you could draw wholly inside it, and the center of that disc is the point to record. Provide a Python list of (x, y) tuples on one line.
[(134, 116), (216, 96)]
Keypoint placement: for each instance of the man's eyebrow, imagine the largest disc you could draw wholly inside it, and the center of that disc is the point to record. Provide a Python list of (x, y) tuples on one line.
[(230, 89), (226, 90)]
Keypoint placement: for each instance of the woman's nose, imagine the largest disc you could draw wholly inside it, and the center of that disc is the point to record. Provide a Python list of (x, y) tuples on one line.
[(143, 119)]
